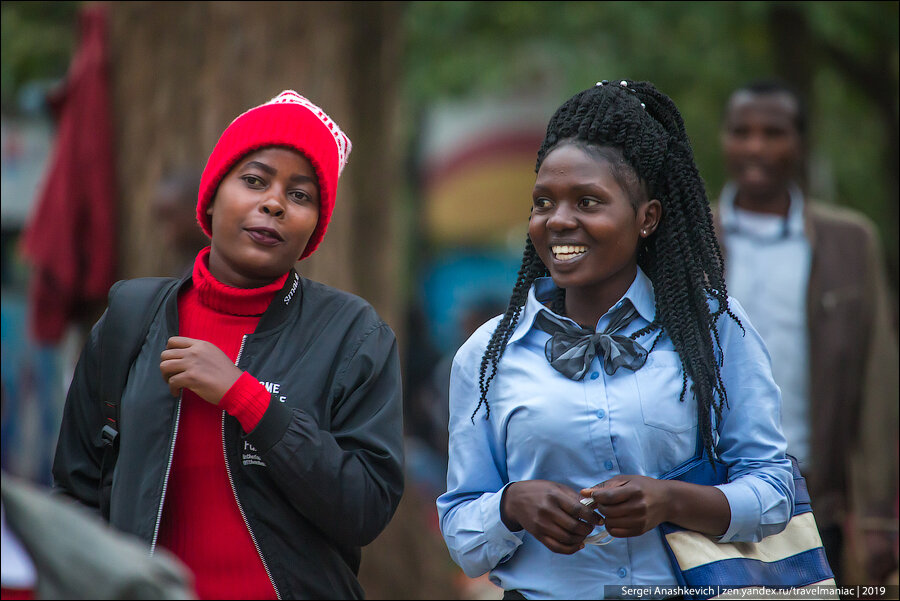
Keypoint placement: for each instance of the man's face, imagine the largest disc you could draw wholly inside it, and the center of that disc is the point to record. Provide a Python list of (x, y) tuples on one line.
[(762, 147)]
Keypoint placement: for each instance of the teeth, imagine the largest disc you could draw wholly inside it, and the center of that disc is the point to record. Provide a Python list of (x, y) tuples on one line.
[(565, 252)]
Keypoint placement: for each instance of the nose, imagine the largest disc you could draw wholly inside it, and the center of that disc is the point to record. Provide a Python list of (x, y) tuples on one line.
[(271, 206), (562, 218), (755, 144)]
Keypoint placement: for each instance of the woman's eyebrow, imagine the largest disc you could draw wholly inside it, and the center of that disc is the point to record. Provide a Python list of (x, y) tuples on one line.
[(297, 177), (261, 166)]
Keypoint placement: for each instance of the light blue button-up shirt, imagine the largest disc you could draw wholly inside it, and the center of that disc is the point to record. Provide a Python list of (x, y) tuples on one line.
[(580, 433)]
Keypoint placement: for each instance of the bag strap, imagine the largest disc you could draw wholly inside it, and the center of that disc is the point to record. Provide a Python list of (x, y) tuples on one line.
[(132, 306), (698, 469)]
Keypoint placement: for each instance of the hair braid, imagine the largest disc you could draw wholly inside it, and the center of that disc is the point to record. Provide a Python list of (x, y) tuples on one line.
[(531, 269)]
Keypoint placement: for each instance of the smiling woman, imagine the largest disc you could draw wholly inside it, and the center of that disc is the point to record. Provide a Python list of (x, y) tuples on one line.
[(618, 351), (586, 229)]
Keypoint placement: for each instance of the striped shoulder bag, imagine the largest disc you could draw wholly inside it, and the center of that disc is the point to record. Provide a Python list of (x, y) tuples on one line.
[(785, 563)]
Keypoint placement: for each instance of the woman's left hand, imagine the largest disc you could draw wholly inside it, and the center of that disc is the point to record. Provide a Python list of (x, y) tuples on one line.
[(199, 366), (632, 505)]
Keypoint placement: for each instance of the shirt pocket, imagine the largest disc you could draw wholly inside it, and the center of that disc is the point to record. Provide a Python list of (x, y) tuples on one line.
[(659, 384)]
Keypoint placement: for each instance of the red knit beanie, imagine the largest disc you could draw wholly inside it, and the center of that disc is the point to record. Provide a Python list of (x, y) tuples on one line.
[(288, 120)]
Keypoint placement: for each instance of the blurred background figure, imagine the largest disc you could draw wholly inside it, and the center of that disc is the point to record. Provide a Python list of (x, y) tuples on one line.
[(54, 549), (812, 280), (427, 409), (174, 207)]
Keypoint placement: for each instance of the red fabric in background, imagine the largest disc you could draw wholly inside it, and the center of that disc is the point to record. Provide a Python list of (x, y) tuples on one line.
[(70, 236)]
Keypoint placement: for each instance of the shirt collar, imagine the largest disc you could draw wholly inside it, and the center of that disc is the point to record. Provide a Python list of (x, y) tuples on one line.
[(640, 294), (794, 219)]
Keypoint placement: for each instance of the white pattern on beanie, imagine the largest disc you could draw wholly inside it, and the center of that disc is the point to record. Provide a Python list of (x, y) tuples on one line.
[(340, 138)]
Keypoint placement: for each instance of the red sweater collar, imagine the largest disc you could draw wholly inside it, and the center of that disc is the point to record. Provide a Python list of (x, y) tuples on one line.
[(228, 299)]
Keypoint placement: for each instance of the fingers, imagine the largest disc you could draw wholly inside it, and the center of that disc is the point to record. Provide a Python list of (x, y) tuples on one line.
[(551, 512), (614, 482), (172, 363), (562, 526), (170, 354), (176, 384), (564, 531), (566, 522), (180, 342), (562, 548), (618, 492), (564, 538), (607, 485), (586, 512), (171, 370)]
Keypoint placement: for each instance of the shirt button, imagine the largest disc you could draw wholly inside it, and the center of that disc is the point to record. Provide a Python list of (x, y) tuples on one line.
[(601, 414), (608, 465), (595, 375), (622, 572)]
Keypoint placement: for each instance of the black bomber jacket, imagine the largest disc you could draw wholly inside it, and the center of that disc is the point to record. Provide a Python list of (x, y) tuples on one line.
[(318, 478)]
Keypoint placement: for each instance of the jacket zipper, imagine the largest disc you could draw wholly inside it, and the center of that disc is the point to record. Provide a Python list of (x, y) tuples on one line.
[(234, 490), (162, 498)]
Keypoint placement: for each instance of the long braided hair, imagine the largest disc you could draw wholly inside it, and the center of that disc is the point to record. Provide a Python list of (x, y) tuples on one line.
[(681, 257)]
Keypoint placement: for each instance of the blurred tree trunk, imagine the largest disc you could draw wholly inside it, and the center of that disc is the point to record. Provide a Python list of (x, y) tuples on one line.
[(791, 46), (876, 82), (798, 54), (182, 71), (790, 37)]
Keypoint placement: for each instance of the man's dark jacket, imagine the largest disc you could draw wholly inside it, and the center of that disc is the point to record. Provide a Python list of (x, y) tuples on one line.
[(318, 478), (853, 371)]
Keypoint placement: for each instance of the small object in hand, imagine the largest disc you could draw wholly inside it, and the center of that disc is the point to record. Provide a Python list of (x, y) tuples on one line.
[(600, 536)]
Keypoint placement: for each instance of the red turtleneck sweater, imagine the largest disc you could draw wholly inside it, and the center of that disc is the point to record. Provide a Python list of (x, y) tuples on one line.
[(201, 521)]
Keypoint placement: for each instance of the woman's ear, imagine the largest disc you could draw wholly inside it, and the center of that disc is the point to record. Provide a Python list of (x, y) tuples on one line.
[(209, 207), (648, 217)]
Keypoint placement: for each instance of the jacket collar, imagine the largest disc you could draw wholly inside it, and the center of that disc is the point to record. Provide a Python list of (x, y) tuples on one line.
[(284, 301)]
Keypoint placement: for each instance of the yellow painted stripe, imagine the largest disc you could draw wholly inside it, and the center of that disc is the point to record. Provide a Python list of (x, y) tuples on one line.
[(693, 549), (827, 589)]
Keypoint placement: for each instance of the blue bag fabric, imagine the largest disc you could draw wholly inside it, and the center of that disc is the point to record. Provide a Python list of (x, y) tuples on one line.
[(792, 560)]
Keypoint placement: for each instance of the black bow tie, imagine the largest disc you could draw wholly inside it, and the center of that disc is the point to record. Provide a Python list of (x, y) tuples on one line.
[(571, 348)]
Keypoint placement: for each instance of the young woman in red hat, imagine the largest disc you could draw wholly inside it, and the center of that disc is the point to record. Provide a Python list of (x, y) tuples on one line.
[(260, 434)]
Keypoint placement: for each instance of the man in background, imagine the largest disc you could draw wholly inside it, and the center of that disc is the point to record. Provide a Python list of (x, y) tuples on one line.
[(811, 279), (174, 207)]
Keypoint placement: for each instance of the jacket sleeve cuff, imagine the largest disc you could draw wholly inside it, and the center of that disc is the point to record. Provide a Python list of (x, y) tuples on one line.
[(271, 428), (247, 400)]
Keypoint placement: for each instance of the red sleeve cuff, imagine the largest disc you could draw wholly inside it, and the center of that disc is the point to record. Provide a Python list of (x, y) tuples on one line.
[(247, 400)]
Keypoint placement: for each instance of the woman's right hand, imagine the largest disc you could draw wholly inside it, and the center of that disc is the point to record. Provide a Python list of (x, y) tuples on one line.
[(553, 513)]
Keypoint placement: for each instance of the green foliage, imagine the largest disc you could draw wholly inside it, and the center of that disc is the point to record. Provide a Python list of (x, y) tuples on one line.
[(37, 43)]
